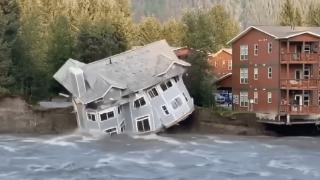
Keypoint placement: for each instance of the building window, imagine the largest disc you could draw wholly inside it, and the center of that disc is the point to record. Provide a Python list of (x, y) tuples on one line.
[(255, 49), (307, 48), (143, 124), (176, 78), (244, 101), (255, 73), (122, 126), (176, 103), (269, 72), (269, 47), (107, 115), (229, 65), (244, 52), (243, 75), (165, 110), (91, 117), (153, 92), (185, 97), (306, 99), (166, 85), (111, 131), (119, 109), (255, 97), (139, 102), (269, 97)]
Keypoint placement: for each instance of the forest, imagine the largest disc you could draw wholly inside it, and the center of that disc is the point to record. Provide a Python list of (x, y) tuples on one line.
[(38, 36)]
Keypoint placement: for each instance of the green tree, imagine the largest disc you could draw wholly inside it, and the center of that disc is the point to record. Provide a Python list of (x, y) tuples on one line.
[(209, 30), (8, 30), (60, 49), (198, 79), (148, 31), (173, 31), (98, 41), (313, 15), (289, 15)]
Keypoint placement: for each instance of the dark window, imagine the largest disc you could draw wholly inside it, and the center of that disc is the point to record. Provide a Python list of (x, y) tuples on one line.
[(185, 97), (143, 124), (139, 102), (110, 114), (164, 108), (111, 131), (92, 117), (107, 115), (169, 84), (119, 109), (176, 78), (122, 126), (153, 93), (163, 86), (103, 116)]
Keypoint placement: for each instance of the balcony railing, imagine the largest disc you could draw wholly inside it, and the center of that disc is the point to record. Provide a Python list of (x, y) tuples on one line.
[(299, 109), (299, 83), (299, 57)]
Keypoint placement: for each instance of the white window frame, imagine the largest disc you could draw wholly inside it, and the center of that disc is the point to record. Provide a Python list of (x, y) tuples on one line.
[(244, 99), (269, 72), (142, 118), (165, 84), (269, 47), (107, 111), (138, 99), (244, 76), (153, 92), (230, 65), (165, 111), (176, 103), (123, 126), (255, 73), (255, 97), (269, 97), (91, 114), (244, 52), (255, 49), (111, 133)]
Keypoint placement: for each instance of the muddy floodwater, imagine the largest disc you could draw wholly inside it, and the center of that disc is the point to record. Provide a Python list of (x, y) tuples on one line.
[(175, 157)]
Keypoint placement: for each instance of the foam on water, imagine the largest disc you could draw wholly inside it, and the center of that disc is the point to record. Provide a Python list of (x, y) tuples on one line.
[(158, 138), (8, 148), (286, 166)]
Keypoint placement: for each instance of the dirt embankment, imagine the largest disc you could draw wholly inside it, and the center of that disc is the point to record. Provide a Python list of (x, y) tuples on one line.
[(208, 121), (16, 116)]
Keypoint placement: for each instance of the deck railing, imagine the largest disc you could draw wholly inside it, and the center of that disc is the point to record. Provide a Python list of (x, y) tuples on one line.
[(299, 57), (299, 109), (299, 83)]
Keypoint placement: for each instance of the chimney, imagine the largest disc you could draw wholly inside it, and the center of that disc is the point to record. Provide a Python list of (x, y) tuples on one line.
[(78, 83)]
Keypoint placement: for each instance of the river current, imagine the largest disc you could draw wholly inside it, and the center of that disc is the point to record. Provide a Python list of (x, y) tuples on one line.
[(177, 157)]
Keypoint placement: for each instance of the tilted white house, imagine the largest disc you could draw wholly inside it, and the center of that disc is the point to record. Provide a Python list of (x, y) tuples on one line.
[(137, 91)]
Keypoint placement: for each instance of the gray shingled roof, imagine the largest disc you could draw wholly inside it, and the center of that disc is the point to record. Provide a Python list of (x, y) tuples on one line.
[(280, 32), (130, 71)]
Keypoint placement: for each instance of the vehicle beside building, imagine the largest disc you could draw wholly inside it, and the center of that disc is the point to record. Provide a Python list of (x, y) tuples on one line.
[(275, 73), (135, 92)]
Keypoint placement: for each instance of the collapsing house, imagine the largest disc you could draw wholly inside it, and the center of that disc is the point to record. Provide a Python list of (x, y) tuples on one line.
[(135, 92)]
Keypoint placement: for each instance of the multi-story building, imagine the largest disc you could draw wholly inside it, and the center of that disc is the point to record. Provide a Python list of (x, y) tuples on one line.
[(221, 62), (275, 73), (134, 92)]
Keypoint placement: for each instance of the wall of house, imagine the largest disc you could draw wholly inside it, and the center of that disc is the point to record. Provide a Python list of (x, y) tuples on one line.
[(220, 63), (262, 61)]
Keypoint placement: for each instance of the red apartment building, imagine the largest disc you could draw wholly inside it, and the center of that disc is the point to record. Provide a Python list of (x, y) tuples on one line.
[(275, 73), (221, 62)]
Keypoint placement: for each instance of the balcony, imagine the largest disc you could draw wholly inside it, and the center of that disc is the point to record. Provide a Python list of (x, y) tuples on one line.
[(297, 84), (299, 109), (299, 58)]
